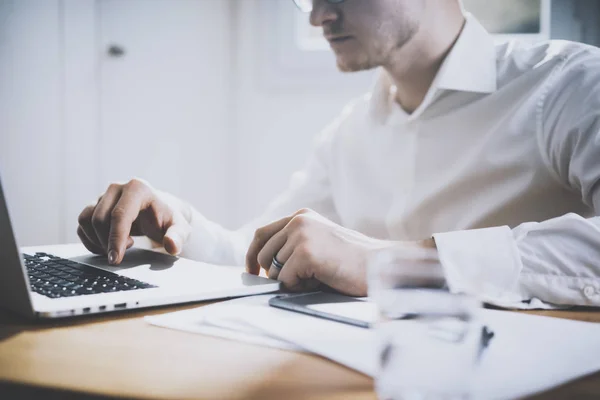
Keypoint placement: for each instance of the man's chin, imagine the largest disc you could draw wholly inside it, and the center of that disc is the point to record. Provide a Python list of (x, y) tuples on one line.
[(354, 65)]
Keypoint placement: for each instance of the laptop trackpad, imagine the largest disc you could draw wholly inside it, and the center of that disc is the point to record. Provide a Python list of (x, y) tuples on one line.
[(164, 270)]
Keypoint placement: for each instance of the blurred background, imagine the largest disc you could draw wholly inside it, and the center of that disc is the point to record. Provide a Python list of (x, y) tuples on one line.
[(216, 101)]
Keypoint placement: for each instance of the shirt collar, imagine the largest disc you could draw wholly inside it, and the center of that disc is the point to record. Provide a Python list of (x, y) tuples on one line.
[(470, 66)]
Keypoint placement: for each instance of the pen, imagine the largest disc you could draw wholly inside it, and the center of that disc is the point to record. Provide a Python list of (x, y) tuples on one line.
[(486, 337)]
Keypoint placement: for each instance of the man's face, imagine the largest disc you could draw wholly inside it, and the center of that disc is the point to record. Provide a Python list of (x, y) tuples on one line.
[(365, 33)]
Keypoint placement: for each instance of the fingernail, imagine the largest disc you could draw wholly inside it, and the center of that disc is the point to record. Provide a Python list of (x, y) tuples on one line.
[(112, 256)]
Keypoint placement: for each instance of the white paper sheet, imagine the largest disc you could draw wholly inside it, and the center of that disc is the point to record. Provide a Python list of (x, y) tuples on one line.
[(219, 320), (528, 354)]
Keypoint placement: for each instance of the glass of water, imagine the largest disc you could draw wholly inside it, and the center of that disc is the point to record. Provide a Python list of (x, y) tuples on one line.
[(429, 339)]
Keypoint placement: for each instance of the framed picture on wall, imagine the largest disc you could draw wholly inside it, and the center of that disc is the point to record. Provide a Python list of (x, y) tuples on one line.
[(513, 19)]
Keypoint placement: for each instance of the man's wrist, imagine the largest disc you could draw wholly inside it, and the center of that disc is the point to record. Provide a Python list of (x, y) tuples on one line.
[(178, 206)]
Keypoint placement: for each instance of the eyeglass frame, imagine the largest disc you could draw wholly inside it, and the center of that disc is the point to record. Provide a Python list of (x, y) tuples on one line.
[(302, 7)]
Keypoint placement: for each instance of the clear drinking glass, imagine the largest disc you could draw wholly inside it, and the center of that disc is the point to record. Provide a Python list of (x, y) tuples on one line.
[(429, 338)]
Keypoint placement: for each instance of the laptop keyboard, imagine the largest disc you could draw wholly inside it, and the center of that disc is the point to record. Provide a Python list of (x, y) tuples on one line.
[(56, 277)]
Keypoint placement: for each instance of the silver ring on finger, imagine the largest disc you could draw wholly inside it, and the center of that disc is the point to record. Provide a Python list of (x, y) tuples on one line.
[(276, 264), (275, 269)]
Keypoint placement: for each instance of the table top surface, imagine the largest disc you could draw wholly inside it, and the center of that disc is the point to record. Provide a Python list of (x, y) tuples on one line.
[(122, 355)]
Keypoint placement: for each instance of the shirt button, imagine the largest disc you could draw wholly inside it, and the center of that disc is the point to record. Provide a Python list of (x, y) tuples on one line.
[(589, 291)]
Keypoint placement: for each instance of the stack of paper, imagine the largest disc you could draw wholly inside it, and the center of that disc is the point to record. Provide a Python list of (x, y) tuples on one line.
[(221, 320), (528, 354)]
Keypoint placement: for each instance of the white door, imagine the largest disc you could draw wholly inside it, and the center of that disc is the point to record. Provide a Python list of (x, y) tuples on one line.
[(164, 93)]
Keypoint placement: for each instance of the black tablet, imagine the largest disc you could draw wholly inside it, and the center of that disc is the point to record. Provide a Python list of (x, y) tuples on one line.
[(332, 306)]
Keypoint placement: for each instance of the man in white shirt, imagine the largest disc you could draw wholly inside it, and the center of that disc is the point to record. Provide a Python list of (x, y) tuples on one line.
[(480, 161)]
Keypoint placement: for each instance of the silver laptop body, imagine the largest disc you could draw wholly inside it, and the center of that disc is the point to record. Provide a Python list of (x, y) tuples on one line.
[(163, 279)]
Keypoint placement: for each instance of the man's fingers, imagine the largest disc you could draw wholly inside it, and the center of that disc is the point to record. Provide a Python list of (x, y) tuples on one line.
[(309, 285), (297, 275), (102, 214), (289, 274), (271, 249), (85, 223), (273, 272), (88, 243), (123, 215), (283, 255), (261, 237), (175, 237)]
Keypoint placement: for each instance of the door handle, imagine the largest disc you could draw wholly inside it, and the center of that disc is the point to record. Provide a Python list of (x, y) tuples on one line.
[(116, 51)]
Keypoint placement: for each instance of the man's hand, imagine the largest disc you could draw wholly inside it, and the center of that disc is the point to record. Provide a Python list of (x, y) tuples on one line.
[(315, 250), (133, 209)]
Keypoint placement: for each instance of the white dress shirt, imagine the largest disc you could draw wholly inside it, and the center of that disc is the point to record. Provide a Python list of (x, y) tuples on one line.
[(500, 164)]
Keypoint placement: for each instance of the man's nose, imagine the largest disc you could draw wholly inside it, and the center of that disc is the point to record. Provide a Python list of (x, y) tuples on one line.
[(322, 13)]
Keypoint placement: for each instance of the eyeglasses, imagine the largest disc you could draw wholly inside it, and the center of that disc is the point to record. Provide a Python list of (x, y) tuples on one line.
[(307, 5)]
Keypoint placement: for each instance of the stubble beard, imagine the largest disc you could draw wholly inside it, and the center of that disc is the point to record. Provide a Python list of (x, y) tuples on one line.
[(360, 62), (379, 54)]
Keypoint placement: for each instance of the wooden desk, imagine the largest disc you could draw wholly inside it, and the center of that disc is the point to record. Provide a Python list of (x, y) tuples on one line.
[(122, 356)]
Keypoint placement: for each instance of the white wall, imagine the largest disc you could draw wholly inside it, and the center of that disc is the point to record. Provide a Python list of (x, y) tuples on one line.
[(197, 105), (31, 101)]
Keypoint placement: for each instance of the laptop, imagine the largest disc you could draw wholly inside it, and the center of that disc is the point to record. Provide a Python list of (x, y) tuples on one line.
[(66, 280)]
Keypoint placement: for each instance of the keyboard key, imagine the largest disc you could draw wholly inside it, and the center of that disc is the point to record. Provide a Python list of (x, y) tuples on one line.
[(72, 264), (73, 271)]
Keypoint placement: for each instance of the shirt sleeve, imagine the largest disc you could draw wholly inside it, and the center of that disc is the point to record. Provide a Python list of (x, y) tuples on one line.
[(308, 188), (554, 262)]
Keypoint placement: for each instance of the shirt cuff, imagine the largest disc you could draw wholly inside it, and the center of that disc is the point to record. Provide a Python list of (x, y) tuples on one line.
[(482, 262)]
